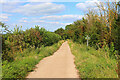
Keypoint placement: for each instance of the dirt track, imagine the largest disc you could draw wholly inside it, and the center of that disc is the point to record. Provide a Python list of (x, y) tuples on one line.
[(59, 65)]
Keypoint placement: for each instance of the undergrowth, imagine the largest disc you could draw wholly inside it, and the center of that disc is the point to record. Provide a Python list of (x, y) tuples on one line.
[(25, 62), (92, 63)]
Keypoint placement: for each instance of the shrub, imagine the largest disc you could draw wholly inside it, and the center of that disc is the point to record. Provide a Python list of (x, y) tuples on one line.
[(33, 37), (93, 63), (25, 62), (19, 40), (50, 38)]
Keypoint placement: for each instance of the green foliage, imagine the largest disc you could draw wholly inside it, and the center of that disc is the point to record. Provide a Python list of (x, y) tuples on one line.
[(18, 69), (17, 30), (93, 63), (33, 37), (4, 27), (99, 29), (112, 53), (50, 38), (5, 51), (25, 62), (60, 31), (19, 40)]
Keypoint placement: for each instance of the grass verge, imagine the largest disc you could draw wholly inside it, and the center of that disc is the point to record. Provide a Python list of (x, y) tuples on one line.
[(93, 63), (25, 62)]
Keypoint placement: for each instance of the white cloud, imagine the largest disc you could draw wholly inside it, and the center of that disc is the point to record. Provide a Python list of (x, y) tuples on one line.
[(58, 23), (37, 21), (48, 23), (4, 17), (54, 22), (67, 18), (89, 4), (37, 9), (67, 23), (33, 8), (23, 20), (9, 6), (44, 22)]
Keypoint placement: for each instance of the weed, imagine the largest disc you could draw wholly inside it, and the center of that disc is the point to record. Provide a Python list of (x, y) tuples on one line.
[(92, 63)]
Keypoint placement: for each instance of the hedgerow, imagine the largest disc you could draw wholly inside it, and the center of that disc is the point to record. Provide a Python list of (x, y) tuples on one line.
[(19, 40)]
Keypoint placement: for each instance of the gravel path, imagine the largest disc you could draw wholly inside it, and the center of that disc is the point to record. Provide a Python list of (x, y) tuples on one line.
[(59, 65)]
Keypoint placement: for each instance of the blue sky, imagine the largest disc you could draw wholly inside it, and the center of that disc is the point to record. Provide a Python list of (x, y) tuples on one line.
[(50, 15)]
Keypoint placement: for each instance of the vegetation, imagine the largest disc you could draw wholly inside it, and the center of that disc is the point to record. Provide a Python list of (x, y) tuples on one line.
[(61, 32), (103, 28), (19, 40), (25, 62), (93, 63), (22, 50)]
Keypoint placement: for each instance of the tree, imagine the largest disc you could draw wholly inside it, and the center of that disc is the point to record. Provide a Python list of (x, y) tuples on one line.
[(5, 27), (61, 32)]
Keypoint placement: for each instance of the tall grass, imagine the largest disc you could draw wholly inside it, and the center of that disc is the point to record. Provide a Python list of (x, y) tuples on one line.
[(93, 63), (25, 62)]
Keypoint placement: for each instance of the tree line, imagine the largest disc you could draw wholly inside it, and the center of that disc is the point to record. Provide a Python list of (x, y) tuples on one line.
[(19, 40), (101, 25)]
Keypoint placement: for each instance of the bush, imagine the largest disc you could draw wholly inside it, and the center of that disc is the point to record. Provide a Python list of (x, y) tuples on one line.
[(50, 38), (25, 62), (19, 40), (93, 63), (18, 69), (33, 38)]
